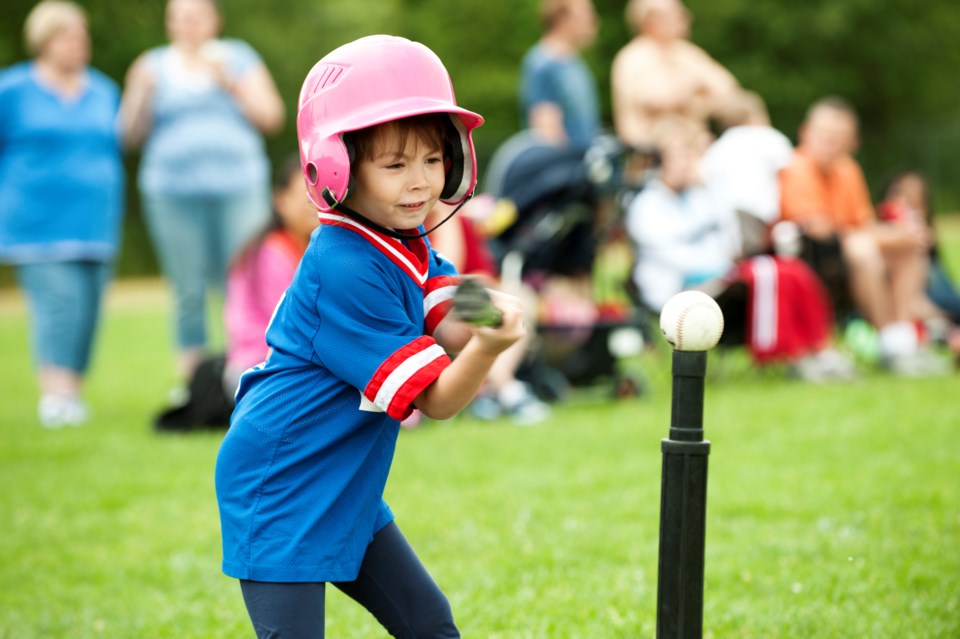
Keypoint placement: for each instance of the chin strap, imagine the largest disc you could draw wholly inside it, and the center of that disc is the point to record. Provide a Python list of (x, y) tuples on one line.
[(337, 205)]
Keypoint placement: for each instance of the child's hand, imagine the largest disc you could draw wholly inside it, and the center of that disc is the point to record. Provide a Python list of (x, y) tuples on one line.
[(457, 385), (496, 339)]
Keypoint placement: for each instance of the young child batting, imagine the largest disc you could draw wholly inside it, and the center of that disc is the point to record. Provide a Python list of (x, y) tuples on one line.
[(358, 341)]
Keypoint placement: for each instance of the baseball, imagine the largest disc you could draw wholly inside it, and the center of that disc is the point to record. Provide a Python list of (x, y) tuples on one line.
[(691, 321)]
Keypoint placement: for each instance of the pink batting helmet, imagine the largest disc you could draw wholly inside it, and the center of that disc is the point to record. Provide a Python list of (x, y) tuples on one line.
[(367, 82)]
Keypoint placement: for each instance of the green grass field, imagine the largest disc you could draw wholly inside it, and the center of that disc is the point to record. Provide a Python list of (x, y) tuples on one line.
[(833, 511)]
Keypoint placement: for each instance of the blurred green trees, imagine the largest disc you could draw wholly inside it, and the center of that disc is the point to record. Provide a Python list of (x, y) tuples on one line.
[(895, 60)]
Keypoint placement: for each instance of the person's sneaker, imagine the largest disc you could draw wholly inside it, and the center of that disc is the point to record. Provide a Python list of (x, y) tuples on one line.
[(76, 412), (838, 366), (921, 363), (485, 407), (828, 365), (522, 405), (809, 369), (50, 412), (57, 411)]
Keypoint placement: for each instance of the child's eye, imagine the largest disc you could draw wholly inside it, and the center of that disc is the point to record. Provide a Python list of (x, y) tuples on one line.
[(395, 165), (434, 159)]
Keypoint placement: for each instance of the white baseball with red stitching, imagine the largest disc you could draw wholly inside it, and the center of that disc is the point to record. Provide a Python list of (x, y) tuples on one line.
[(691, 321)]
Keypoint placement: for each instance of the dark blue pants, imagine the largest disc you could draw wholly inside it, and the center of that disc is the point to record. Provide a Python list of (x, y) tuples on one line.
[(393, 585)]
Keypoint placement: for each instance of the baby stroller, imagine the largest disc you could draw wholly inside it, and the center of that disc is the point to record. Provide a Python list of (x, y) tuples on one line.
[(567, 230)]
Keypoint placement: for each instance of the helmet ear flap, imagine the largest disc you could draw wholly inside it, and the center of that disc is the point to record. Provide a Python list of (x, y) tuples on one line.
[(326, 169), (351, 158)]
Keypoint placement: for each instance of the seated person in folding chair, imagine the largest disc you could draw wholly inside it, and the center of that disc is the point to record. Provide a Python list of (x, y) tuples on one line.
[(906, 200), (823, 190)]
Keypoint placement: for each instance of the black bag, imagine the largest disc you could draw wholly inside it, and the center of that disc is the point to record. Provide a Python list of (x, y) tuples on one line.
[(207, 404)]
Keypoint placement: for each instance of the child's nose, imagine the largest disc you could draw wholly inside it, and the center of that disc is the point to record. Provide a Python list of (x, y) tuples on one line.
[(418, 178)]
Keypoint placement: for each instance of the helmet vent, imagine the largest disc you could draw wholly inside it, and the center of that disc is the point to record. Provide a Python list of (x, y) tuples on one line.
[(326, 76)]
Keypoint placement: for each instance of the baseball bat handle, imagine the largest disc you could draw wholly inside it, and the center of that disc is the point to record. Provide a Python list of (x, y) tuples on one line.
[(473, 305)]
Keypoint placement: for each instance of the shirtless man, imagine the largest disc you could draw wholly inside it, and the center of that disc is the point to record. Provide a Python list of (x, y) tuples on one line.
[(661, 73)]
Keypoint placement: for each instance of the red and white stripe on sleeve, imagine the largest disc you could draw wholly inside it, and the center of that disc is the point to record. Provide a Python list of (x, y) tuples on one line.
[(404, 375), (438, 300)]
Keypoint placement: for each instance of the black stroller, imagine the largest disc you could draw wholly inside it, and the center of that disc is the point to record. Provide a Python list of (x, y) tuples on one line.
[(568, 221)]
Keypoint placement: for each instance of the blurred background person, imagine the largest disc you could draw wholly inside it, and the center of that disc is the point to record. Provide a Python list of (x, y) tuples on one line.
[(560, 109), (683, 237), (200, 105), (558, 91), (261, 273), (660, 73), (256, 282), (906, 200), (462, 241), (883, 268), (742, 168), (61, 198)]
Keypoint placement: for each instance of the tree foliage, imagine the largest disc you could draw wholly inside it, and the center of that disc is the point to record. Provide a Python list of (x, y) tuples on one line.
[(894, 60)]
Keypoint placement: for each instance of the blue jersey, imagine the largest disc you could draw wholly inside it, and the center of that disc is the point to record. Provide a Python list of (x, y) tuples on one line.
[(301, 472)]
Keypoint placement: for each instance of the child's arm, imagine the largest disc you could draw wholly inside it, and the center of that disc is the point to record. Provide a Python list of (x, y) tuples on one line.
[(458, 384)]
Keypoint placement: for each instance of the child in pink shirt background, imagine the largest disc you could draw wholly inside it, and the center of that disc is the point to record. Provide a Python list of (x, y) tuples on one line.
[(256, 281), (262, 272)]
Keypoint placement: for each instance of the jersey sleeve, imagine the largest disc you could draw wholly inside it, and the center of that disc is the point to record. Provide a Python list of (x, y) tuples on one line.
[(442, 282), (371, 335)]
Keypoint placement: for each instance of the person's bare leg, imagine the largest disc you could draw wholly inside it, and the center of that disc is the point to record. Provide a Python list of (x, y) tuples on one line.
[(908, 279), (869, 286), (58, 381), (188, 360)]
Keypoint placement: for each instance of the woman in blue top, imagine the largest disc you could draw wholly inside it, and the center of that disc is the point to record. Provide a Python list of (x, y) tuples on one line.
[(61, 197), (199, 105)]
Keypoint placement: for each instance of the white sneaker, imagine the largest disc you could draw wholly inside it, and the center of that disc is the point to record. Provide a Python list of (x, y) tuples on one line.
[(50, 411), (839, 366), (76, 412), (57, 411), (522, 405), (829, 365), (809, 369), (921, 363)]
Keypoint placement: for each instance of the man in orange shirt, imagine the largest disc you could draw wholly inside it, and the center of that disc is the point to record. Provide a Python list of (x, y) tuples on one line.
[(823, 190)]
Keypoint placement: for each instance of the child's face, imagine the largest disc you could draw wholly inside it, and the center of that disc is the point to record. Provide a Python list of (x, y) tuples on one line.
[(679, 163), (291, 203), (912, 190), (394, 189)]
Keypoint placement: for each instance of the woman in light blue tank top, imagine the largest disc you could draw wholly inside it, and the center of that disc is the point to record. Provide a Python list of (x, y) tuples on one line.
[(200, 106)]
